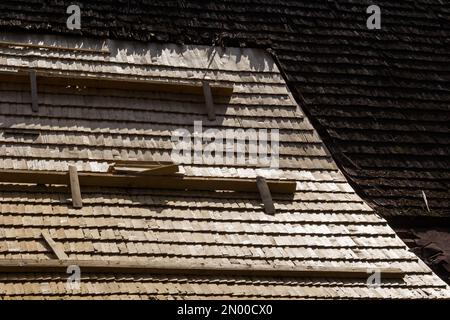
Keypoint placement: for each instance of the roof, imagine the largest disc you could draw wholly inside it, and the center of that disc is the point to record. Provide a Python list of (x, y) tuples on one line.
[(323, 242), (379, 99)]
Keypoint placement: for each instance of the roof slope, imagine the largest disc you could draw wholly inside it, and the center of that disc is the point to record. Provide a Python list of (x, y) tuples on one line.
[(324, 224), (378, 98)]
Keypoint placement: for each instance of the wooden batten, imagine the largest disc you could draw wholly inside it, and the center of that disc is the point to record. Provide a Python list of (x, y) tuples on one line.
[(34, 92), (125, 267), (150, 169), (209, 102), (74, 183), (175, 182), (56, 247), (265, 194)]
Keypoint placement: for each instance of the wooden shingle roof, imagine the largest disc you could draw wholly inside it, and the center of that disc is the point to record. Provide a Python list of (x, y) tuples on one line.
[(324, 227), (378, 98)]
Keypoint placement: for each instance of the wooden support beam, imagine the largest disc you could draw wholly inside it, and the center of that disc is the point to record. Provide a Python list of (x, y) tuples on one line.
[(140, 163), (116, 82), (56, 247), (142, 181), (34, 93), (266, 196), (126, 267), (162, 170), (209, 101), (74, 183), (141, 168)]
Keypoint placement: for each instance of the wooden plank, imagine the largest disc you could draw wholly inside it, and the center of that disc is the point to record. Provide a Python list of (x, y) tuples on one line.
[(97, 266), (155, 170), (74, 183), (140, 164), (209, 102), (143, 181), (34, 93), (117, 82), (56, 247), (265, 194), (146, 171)]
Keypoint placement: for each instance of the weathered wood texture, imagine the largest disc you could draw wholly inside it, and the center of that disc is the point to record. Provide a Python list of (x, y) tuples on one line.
[(34, 93), (209, 101), (266, 196), (324, 223), (92, 266), (171, 182)]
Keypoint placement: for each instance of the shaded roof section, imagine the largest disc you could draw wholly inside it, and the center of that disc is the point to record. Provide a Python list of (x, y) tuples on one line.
[(324, 224), (432, 245)]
